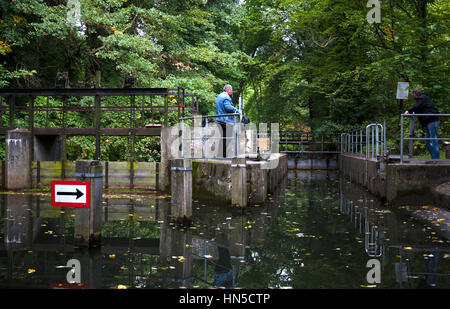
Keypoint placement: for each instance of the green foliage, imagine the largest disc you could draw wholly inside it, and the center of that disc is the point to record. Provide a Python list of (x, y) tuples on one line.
[(305, 64), (324, 65), (133, 43)]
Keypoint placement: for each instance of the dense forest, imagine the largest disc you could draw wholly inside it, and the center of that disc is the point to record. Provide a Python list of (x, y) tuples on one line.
[(307, 64)]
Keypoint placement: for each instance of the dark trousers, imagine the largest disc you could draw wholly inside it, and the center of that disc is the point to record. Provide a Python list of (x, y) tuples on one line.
[(223, 125)]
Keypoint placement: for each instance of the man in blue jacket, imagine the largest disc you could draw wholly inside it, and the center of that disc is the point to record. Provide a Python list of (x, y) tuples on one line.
[(224, 105), (424, 105)]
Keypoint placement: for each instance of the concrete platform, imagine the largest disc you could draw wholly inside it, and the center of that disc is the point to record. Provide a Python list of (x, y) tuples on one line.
[(211, 179), (395, 180)]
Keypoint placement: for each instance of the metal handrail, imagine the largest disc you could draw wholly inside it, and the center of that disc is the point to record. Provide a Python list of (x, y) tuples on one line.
[(299, 140), (374, 142), (236, 137), (402, 138), (374, 135)]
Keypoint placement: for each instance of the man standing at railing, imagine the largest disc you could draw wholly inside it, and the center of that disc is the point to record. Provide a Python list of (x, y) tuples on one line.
[(224, 105), (424, 105)]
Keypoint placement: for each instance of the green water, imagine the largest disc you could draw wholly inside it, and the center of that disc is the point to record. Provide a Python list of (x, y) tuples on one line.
[(318, 231)]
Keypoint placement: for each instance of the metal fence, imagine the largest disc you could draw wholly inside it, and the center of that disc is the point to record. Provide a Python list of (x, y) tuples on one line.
[(205, 138), (411, 137), (309, 142), (369, 141)]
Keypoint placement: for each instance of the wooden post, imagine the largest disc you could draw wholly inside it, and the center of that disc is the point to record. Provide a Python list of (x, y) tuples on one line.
[(238, 182), (181, 180), (88, 221)]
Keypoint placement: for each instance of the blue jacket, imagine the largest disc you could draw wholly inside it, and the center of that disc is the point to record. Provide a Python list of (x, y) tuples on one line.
[(224, 105)]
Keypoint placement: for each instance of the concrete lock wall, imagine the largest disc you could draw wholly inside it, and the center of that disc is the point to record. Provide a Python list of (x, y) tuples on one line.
[(313, 161), (212, 179), (397, 180)]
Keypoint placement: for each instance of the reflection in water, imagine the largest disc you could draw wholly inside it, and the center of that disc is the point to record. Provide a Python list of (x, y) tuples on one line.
[(317, 231)]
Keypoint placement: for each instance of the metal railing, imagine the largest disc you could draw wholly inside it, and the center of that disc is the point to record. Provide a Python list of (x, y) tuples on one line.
[(246, 141), (309, 142), (411, 137), (369, 141), (359, 216)]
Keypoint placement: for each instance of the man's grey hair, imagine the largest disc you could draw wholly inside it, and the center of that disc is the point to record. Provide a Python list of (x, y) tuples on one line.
[(417, 91), (226, 87)]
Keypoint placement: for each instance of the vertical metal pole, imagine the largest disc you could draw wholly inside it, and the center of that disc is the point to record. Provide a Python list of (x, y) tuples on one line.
[(351, 142), (235, 128), (182, 138), (401, 138), (411, 134), (367, 156), (376, 140), (384, 138), (361, 141), (184, 93), (357, 142), (206, 154), (97, 126), (348, 142), (63, 141), (372, 132), (178, 102)]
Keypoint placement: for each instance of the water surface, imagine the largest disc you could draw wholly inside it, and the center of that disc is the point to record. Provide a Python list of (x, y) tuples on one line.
[(318, 231)]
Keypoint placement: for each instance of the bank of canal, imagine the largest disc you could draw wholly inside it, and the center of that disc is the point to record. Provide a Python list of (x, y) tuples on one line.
[(317, 231)]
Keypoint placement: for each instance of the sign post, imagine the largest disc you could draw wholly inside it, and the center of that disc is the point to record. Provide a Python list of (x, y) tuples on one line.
[(88, 221)]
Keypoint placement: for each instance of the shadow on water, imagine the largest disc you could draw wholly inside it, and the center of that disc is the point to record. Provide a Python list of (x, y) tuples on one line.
[(316, 231)]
